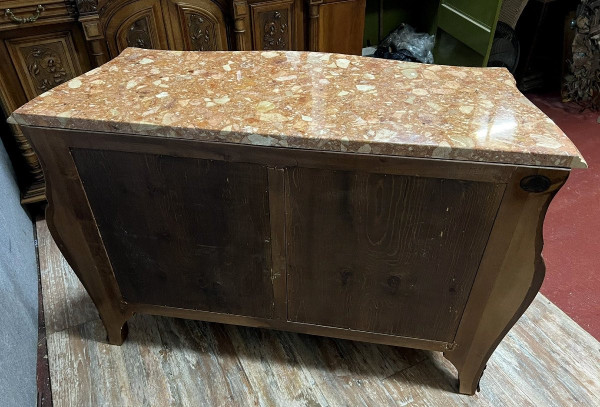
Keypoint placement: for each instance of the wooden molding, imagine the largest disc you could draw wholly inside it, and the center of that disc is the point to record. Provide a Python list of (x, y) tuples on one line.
[(241, 25)]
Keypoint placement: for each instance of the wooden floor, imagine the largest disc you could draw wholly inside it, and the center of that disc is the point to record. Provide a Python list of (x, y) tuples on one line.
[(546, 360)]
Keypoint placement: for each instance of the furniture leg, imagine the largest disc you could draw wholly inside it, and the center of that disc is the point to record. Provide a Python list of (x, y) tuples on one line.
[(70, 219), (500, 298)]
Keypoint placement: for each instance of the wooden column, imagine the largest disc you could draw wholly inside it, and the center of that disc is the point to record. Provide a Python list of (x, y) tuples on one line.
[(241, 25), (36, 185), (313, 25), (90, 22)]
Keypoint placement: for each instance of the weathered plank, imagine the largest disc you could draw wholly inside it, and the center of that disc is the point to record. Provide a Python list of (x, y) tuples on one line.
[(66, 303), (546, 359)]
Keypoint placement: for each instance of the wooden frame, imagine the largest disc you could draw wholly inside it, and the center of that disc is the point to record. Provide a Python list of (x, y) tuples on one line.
[(509, 275)]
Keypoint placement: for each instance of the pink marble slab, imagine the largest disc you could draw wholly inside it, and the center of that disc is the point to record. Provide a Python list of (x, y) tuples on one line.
[(312, 101)]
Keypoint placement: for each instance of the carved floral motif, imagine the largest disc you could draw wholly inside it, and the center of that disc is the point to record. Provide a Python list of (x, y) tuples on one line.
[(87, 6), (202, 32), (46, 68), (138, 34), (275, 30)]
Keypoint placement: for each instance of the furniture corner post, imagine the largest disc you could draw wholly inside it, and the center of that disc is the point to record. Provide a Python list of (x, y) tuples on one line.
[(73, 228), (510, 275), (313, 29), (90, 22), (240, 25)]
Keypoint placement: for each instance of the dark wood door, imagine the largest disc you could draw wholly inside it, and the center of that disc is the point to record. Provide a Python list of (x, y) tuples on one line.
[(384, 253), (183, 232)]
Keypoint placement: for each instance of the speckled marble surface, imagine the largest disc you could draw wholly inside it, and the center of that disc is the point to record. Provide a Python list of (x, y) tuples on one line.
[(312, 101)]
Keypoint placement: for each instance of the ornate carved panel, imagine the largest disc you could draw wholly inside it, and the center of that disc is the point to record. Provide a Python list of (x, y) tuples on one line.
[(276, 30), (87, 6), (241, 25), (201, 31), (138, 34), (42, 62), (138, 31), (137, 24), (197, 25), (272, 26)]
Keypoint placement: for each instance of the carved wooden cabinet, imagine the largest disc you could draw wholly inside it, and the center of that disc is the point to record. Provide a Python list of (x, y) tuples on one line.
[(45, 43), (41, 46)]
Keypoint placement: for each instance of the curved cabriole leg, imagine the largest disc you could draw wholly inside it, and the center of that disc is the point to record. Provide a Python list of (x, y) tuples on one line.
[(510, 274), (72, 225), (116, 333)]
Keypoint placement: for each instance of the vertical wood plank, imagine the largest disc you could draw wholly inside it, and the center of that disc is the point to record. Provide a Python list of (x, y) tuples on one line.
[(278, 245)]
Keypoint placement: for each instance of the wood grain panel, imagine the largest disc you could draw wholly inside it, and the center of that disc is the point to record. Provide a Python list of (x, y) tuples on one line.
[(185, 233), (338, 26), (383, 253)]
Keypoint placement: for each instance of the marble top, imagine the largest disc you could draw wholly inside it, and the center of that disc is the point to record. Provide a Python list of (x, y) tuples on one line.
[(312, 101)]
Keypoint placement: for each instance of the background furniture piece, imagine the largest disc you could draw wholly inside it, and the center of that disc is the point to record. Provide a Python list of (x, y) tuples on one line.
[(268, 205), (47, 42), (541, 31), (41, 45), (464, 29)]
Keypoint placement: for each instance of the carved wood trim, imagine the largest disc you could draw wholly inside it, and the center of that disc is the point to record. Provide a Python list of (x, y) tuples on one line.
[(276, 30), (94, 38), (313, 24), (87, 6), (118, 18), (33, 164), (138, 33), (44, 61), (201, 31), (138, 30), (240, 25), (273, 25)]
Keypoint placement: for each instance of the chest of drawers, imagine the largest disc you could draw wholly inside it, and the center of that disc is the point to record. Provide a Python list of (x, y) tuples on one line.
[(320, 193)]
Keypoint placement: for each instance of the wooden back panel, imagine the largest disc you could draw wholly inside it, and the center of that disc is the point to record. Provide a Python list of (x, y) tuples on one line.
[(391, 254), (183, 232)]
